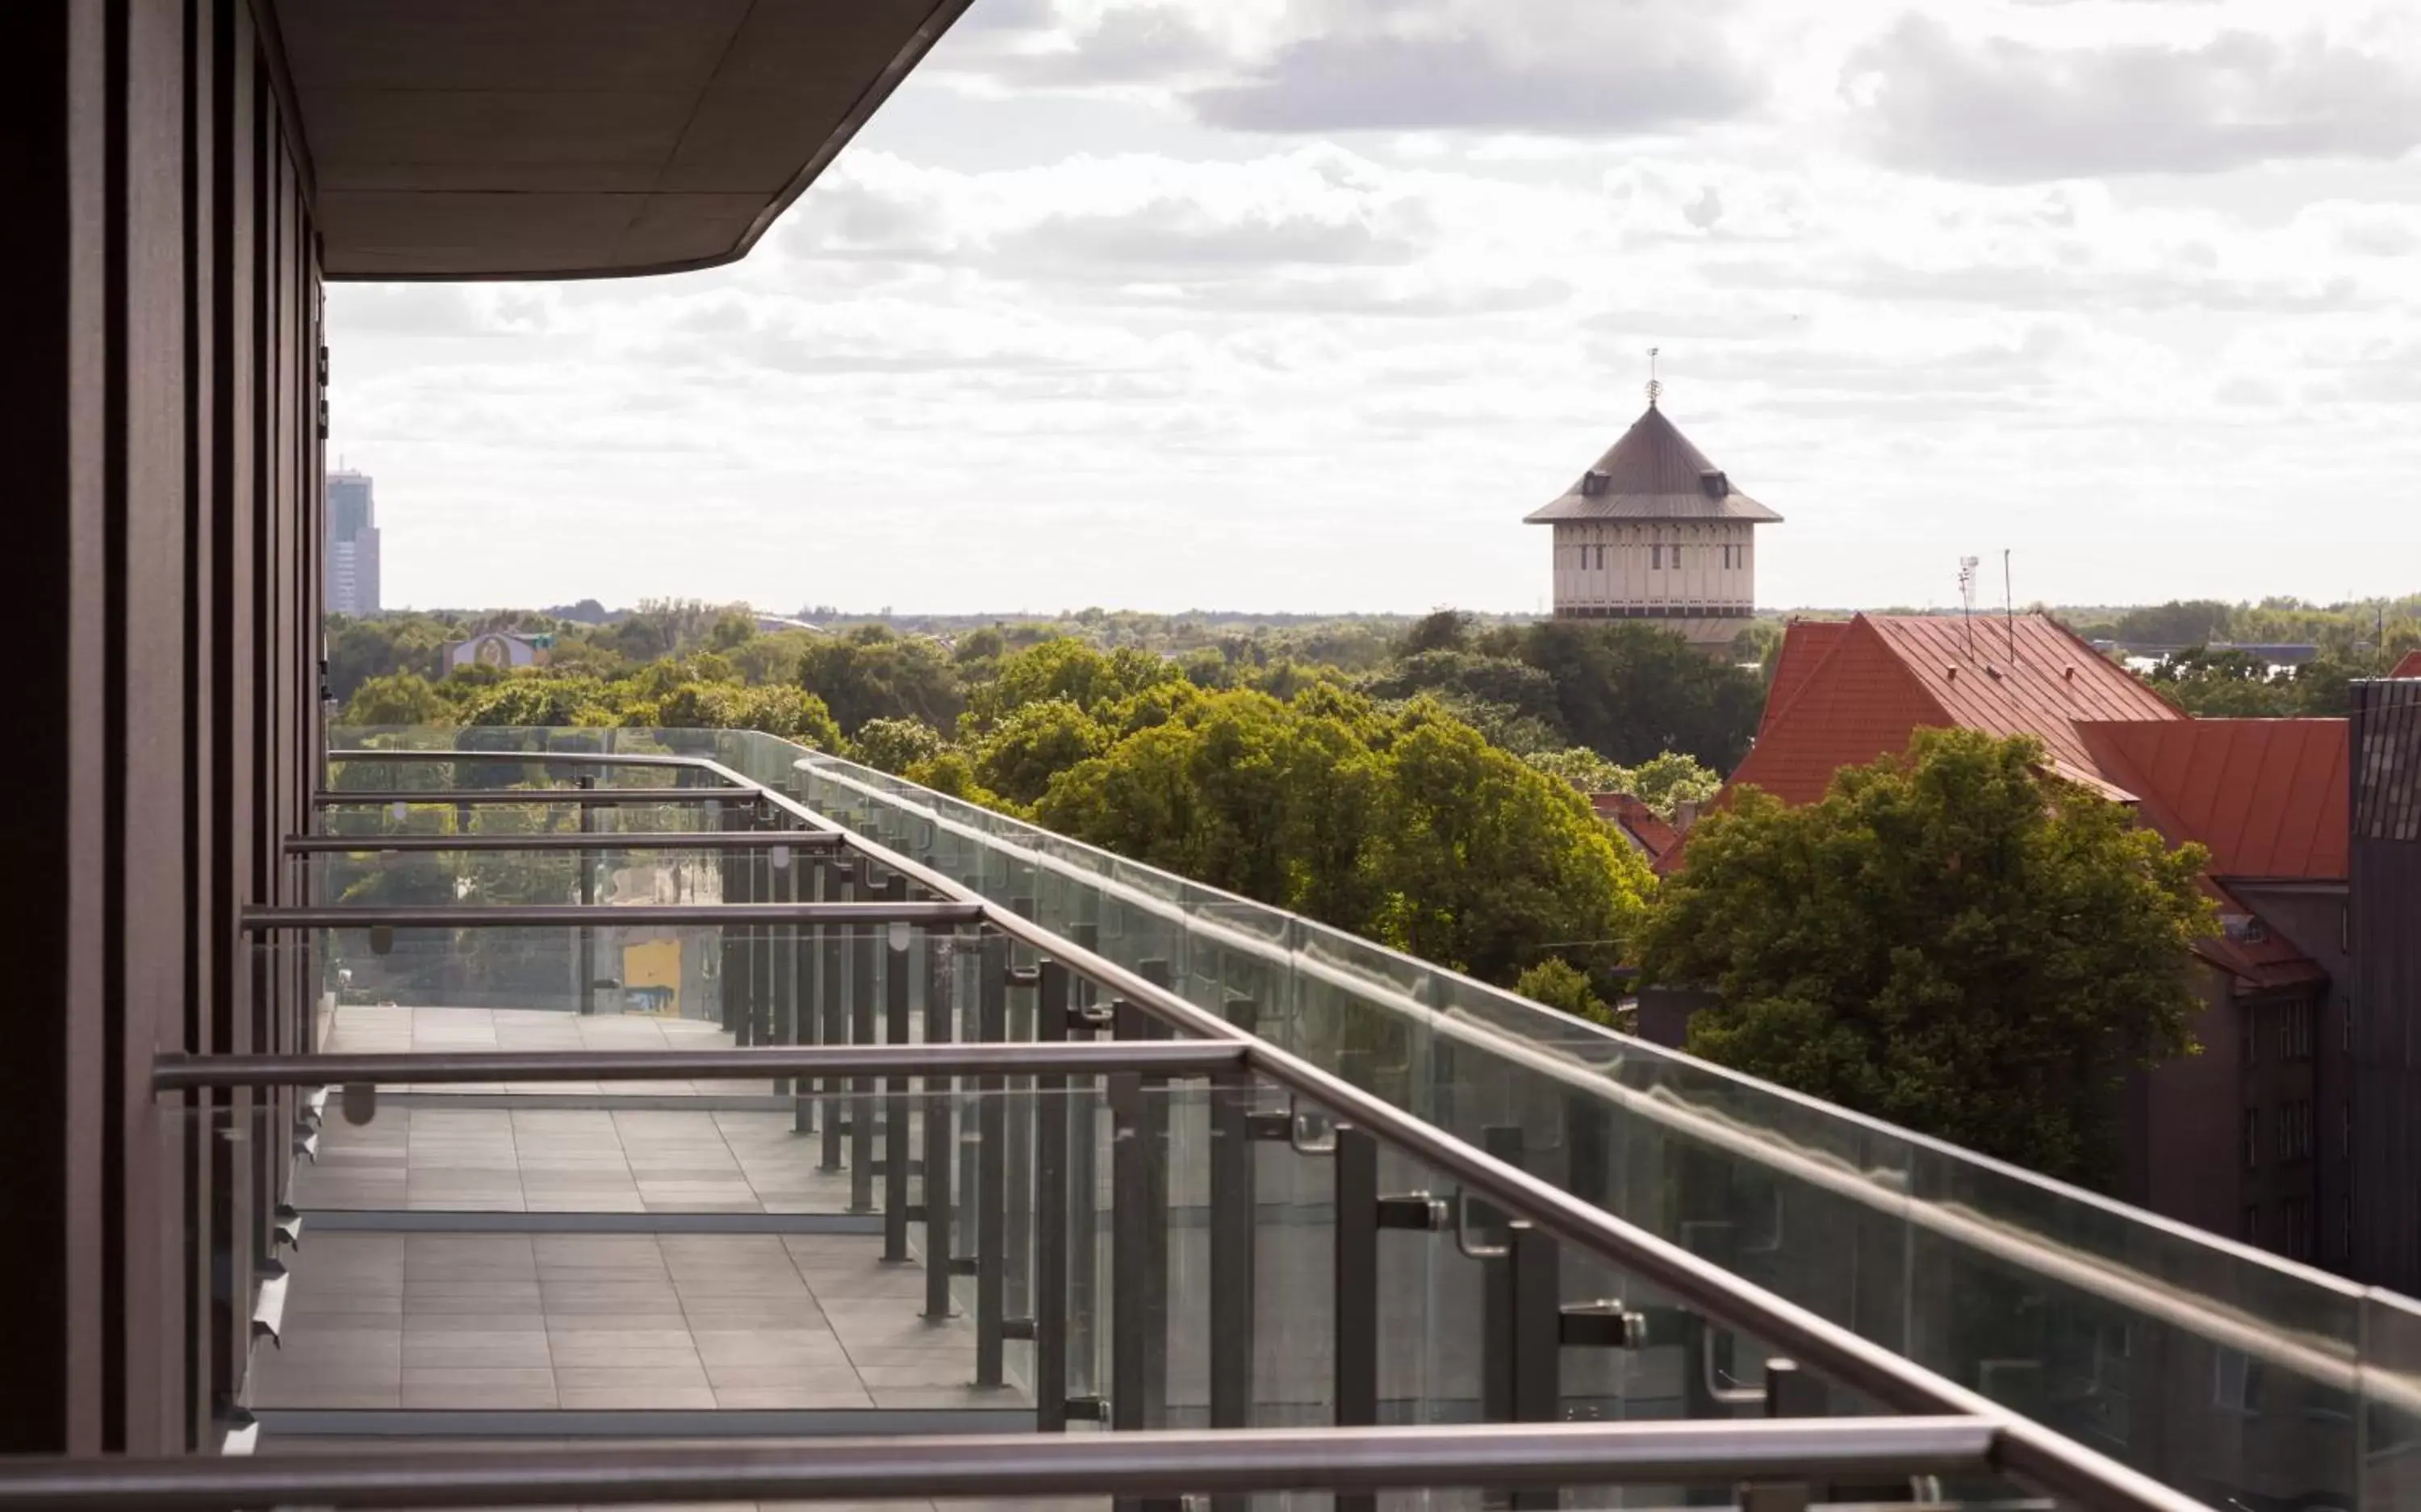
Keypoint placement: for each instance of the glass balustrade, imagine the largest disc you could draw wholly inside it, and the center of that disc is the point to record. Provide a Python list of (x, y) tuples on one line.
[(2228, 1373)]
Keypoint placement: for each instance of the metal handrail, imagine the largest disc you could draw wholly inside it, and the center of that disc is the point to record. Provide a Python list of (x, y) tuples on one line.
[(553, 758), (537, 797), (2048, 1458), (2092, 1274), (1233, 1460), (305, 844), (2039, 1454), (179, 1072), (630, 915)]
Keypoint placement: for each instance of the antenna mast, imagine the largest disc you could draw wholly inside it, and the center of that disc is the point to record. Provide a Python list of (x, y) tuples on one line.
[(1655, 389), (2009, 607), (1967, 566)]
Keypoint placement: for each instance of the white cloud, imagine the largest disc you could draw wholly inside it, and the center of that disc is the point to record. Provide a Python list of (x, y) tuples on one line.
[(986, 363)]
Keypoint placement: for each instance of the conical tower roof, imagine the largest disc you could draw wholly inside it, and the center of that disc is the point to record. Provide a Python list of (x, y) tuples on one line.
[(1653, 473)]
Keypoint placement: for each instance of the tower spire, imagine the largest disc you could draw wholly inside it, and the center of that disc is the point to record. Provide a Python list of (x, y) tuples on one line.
[(1655, 389)]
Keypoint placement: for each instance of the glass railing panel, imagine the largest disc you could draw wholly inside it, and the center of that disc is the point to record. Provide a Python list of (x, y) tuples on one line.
[(2034, 1293)]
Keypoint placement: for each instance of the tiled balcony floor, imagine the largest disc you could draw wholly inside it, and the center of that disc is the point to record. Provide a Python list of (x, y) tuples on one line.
[(363, 1030), (569, 1160), (537, 1321), (601, 1158)]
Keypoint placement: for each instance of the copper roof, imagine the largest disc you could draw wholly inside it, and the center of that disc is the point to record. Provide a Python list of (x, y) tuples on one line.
[(2409, 668), (1653, 473), (2268, 796)]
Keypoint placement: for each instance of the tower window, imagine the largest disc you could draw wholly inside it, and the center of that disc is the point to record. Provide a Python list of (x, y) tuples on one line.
[(1656, 558), (1676, 556)]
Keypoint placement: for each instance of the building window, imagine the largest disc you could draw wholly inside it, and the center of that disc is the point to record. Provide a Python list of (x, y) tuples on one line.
[(2251, 1034), (1655, 556), (2345, 1228), (2251, 1223), (2296, 1243), (1676, 556), (2295, 1031), (2345, 1128), (2252, 1139), (2295, 1130)]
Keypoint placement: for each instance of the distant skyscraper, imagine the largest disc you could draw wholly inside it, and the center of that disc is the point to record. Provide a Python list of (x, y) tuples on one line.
[(353, 586)]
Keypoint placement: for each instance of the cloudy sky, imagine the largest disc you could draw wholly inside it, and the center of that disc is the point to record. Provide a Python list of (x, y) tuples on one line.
[(1301, 305)]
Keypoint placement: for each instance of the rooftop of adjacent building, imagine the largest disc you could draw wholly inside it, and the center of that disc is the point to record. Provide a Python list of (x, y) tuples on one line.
[(2268, 797)]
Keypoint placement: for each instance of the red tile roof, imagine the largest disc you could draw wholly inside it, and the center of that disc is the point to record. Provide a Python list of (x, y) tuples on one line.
[(1805, 644), (1638, 823), (2409, 668), (2268, 796), (2027, 675), (1860, 689)]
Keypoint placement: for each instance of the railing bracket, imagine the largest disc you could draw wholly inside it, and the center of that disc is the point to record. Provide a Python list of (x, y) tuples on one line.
[(1416, 1211)]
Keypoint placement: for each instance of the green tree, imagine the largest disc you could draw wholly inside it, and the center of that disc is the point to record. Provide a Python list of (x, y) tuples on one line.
[(398, 699), (1240, 792), (1066, 669), (1035, 744), (2223, 683), (1440, 630), (1587, 770), (894, 745), (2193, 622), (1667, 780), (789, 712), (534, 698), (1561, 986), (1633, 692), (872, 674), (1482, 857), (952, 772), (1950, 940)]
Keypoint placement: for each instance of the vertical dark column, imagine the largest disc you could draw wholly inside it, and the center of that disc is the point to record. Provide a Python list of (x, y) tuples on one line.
[(788, 869), (1139, 1024), (864, 955), (894, 1099), (1135, 1283), (1140, 1209), (832, 1007), (149, 569), (51, 142), (1084, 1197), (731, 867), (1052, 998), (1017, 1288), (204, 945), (235, 814), (992, 1171), (1504, 1141), (1234, 1234), (1356, 1301), (586, 860), (1535, 1266), (941, 981)]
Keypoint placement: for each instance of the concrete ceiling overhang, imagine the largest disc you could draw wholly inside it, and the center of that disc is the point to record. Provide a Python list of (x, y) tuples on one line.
[(456, 139)]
